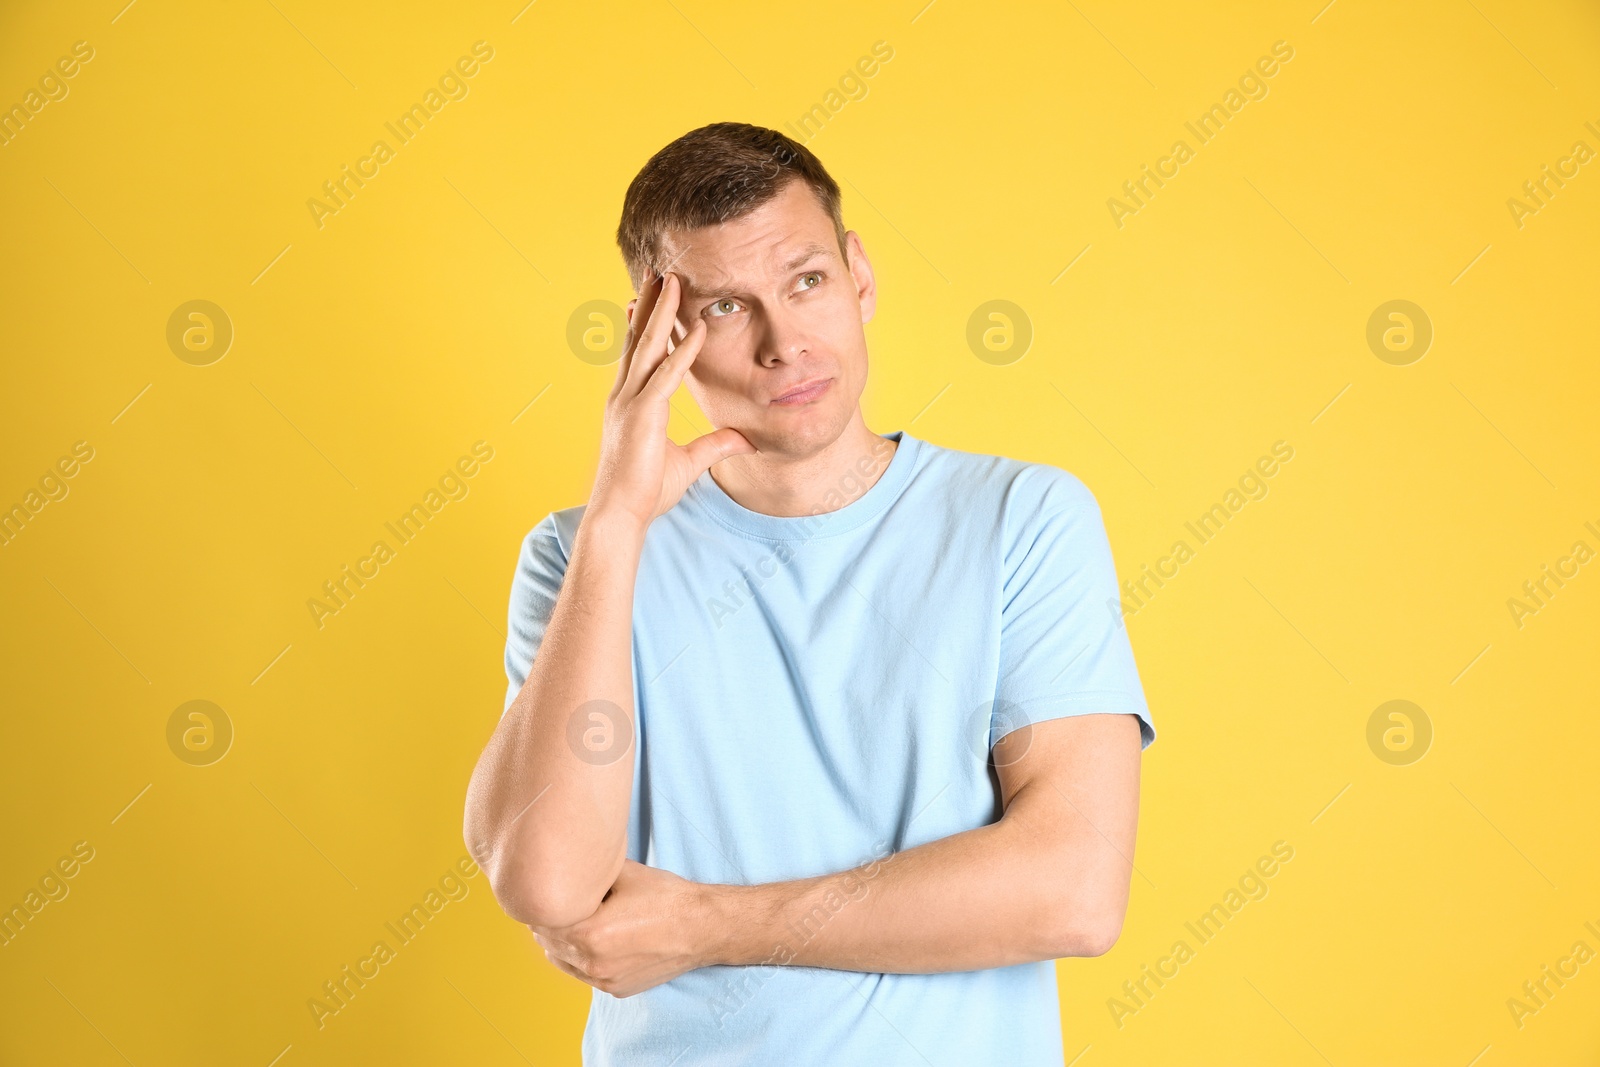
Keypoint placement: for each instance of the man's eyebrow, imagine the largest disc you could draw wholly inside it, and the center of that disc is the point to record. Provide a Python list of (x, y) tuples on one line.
[(810, 251), (696, 291)]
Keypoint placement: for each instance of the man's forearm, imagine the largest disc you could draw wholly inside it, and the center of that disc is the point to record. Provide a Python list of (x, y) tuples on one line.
[(546, 821), (1049, 879), (1015, 891)]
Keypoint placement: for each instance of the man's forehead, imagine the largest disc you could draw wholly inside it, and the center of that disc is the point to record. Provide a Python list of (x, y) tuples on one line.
[(704, 272)]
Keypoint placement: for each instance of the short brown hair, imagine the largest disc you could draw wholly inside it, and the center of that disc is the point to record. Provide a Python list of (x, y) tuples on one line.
[(711, 175)]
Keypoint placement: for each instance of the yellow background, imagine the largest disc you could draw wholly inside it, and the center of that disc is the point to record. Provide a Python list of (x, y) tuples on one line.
[(1229, 313)]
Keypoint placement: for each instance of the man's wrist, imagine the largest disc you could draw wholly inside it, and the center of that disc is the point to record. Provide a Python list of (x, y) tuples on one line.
[(737, 924), (614, 529)]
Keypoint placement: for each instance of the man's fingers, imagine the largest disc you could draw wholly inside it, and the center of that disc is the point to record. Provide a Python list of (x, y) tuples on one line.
[(652, 346), (705, 452), (554, 934), (646, 301), (562, 965), (557, 949), (638, 315), (551, 940), (669, 372), (675, 338)]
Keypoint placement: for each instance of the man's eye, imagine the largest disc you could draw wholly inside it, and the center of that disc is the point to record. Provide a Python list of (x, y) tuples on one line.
[(722, 307), (817, 274)]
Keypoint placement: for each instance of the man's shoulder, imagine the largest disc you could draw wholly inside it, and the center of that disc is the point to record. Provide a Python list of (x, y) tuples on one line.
[(553, 535), (1012, 485)]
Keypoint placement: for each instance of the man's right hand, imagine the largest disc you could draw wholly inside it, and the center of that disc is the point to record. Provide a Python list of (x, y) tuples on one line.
[(642, 473)]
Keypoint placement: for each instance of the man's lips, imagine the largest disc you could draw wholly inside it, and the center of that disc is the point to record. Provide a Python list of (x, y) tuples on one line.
[(805, 393)]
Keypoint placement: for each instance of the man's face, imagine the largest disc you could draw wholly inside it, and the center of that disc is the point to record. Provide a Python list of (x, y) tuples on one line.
[(782, 310)]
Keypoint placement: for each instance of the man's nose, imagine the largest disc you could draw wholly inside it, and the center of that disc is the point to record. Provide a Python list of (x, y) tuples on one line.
[(783, 337)]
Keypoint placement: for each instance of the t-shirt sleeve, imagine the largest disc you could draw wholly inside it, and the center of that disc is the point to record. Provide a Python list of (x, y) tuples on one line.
[(1064, 648), (541, 565)]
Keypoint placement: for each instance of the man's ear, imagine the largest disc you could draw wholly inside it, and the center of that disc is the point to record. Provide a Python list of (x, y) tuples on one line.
[(861, 272), (632, 302)]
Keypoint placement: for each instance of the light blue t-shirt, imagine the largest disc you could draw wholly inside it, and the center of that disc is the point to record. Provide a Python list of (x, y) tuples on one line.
[(816, 692)]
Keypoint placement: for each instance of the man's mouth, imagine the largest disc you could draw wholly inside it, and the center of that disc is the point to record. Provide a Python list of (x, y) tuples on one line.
[(804, 393)]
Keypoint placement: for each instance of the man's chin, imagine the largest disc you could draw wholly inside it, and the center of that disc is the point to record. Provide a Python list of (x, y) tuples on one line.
[(788, 437)]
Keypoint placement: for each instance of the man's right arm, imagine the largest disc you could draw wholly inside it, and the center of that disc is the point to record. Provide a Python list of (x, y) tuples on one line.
[(549, 826), (545, 818)]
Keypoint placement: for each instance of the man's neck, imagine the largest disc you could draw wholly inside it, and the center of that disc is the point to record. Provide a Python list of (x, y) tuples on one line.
[(826, 481)]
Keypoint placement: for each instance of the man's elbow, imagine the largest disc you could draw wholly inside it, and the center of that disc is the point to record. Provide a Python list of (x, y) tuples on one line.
[(1097, 938), (530, 894), (1087, 931), (549, 908)]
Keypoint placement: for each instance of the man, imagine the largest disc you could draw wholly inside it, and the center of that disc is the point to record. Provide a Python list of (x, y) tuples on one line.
[(819, 745)]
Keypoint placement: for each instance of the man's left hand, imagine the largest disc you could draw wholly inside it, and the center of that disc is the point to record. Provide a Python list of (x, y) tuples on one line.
[(651, 927)]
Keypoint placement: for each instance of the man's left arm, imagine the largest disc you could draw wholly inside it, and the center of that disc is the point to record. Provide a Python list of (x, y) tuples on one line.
[(1049, 879)]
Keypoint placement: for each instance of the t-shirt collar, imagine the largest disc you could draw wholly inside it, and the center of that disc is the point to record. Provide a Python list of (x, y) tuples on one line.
[(710, 497)]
